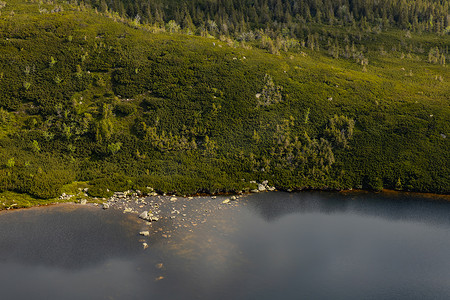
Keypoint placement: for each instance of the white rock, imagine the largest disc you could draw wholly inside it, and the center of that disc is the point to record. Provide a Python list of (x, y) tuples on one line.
[(145, 245), (173, 199), (233, 198), (226, 201), (105, 205), (144, 215), (144, 233), (261, 187), (83, 202)]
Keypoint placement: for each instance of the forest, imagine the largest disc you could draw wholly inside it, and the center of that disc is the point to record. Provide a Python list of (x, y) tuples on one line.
[(285, 16), (202, 96)]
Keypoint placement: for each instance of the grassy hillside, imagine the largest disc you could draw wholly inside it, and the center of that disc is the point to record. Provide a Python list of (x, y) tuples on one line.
[(96, 98)]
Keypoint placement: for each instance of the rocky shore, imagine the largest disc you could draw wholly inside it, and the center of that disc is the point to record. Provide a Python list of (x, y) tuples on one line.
[(162, 214)]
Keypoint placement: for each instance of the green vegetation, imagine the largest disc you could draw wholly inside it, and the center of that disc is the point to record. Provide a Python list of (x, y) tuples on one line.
[(118, 103)]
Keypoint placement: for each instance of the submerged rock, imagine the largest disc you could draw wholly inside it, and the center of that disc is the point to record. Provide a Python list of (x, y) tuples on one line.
[(145, 245)]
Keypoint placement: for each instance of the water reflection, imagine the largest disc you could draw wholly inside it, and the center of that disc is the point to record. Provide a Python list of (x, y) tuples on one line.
[(66, 236), (268, 246), (389, 206), (315, 245)]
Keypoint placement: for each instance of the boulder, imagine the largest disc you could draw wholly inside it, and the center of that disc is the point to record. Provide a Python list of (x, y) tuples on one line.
[(145, 245), (83, 202), (144, 215), (233, 198), (261, 187), (144, 233), (105, 205), (226, 201)]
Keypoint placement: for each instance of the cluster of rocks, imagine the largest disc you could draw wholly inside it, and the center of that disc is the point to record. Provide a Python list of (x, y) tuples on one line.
[(65, 196), (148, 216), (176, 211), (262, 187), (133, 202), (145, 205), (228, 200)]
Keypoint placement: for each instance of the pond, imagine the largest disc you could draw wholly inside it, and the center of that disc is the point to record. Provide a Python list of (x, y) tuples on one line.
[(309, 245)]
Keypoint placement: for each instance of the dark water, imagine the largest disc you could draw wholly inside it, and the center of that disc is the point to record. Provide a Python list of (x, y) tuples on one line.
[(268, 246)]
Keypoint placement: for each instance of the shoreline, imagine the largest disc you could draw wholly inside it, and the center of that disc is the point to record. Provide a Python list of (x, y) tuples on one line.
[(130, 194), (163, 216), (431, 196)]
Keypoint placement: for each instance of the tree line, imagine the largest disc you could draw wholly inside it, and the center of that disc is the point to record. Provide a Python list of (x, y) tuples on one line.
[(234, 17)]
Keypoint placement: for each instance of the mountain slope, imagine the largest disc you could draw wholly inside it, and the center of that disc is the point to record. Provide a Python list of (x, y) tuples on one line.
[(98, 98)]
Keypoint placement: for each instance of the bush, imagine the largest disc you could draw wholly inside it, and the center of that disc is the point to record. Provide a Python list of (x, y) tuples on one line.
[(373, 183), (124, 109)]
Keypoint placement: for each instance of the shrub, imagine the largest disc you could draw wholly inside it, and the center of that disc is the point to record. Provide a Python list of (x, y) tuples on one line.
[(124, 109)]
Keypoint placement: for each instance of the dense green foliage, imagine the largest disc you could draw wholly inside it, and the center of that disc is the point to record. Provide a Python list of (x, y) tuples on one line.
[(90, 96), (291, 17)]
